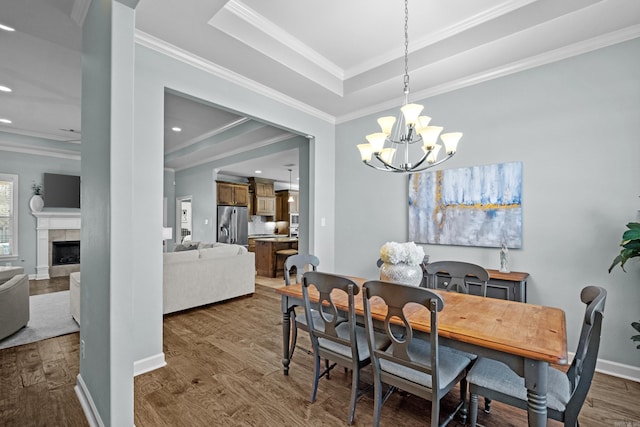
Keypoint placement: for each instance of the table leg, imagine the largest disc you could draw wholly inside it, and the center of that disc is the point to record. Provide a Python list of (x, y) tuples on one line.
[(286, 336), (535, 379)]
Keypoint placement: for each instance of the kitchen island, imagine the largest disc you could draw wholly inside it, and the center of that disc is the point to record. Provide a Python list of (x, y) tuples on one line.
[(266, 254)]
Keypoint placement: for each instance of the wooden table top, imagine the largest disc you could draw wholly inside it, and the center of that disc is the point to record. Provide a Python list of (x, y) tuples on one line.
[(527, 330)]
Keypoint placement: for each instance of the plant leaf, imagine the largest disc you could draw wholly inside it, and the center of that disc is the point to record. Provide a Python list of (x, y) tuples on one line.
[(631, 234), (633, 225)]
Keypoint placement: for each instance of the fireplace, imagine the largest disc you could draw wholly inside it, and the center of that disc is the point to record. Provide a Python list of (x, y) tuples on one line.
[(67, 252)]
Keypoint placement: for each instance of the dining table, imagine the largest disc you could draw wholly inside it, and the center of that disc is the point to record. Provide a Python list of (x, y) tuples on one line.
[(526, 337)]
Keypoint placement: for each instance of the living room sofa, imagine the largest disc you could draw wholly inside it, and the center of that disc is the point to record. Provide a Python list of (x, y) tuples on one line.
[(14, 300), (203, 275)]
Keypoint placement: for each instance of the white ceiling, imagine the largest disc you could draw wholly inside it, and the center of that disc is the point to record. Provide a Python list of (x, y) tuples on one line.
[(335, 59)]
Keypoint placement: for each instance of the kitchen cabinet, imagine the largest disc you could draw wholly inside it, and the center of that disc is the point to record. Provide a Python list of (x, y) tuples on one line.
[(263, 197), (283, 207), (232, 194), (265, 206)]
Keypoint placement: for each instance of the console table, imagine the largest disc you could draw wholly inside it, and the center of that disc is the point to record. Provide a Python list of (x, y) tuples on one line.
[(510, 286)]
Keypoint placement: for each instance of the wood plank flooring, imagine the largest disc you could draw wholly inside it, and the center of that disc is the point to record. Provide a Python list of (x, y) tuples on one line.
[(224, 369)]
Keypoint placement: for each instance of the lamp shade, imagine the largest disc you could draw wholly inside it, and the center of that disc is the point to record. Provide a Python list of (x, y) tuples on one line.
[(411, 113), (386, 124), (377, 141), (450, 141)]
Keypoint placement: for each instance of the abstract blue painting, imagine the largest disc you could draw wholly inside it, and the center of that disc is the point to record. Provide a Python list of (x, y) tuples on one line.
[(474, 206)]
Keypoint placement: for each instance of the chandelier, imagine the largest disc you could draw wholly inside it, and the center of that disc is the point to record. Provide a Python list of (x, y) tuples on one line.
[(391, 145)]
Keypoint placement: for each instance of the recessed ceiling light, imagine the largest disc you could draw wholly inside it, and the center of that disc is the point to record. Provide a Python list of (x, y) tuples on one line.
[(7, 121), (5, 89), (6, 28), (258, 171), (176, 129)]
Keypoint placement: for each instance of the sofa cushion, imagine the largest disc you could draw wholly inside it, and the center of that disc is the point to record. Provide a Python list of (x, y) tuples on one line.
[(186, 246), (221, 251), (173, 257)]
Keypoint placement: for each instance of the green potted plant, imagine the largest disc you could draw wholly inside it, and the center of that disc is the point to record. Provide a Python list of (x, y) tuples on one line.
[(630, 249), (630, 246)]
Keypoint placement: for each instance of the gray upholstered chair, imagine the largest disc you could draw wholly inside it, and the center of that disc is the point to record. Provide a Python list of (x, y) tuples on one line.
[(302, 263), (566, 392), (460, 273), (343, 343), (14, 305), (419, 366)]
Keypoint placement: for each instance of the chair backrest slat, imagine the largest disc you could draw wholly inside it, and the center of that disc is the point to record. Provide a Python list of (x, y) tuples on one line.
[(325, 284), (397, 327), (460, 273), (300, 261)]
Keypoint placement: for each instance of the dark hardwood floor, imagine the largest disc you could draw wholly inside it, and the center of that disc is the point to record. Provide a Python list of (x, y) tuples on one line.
[(224, 369)]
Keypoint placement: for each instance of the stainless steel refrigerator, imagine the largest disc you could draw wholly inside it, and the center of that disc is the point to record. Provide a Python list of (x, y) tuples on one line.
[(233, 225)]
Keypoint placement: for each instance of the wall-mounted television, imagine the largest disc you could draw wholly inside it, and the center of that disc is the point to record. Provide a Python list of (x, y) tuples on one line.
[(61, 191)]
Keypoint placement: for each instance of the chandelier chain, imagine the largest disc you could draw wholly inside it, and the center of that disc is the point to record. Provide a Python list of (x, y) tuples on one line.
[(406, 47)]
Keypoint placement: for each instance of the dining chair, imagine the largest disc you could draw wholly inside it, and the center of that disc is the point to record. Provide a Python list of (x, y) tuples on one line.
[(343, 343), (302, 263), (460, 274), (566, 392), (420, 366)]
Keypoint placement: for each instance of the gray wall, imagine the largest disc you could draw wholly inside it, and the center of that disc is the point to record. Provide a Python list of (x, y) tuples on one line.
[(30, 168), (574, 124)]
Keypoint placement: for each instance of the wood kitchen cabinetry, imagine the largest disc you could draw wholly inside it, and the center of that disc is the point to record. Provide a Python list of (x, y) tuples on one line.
[(232, 194), (263, 197), (283, 207)]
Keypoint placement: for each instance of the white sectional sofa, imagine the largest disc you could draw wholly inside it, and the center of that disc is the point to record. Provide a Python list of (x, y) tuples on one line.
[(196, 277)]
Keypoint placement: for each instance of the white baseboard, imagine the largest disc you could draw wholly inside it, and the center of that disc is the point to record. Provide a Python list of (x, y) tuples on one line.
[(619, 370), (89, 408), (148, 364)]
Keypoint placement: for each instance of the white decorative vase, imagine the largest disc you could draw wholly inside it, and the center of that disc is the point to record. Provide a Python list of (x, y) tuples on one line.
[(401, 273), (36, 203)]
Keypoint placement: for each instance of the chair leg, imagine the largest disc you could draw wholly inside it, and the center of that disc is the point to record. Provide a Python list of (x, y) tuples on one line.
[(473, 409), (487, 405), (355, 381), (463, 399), (377, 401), (435, 412), (294, 338), (316, 377)]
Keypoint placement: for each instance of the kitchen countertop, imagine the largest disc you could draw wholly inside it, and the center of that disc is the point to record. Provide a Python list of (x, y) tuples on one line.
[(282, 238), (262, 236)]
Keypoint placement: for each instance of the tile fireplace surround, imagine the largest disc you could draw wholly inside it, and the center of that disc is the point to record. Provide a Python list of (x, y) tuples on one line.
[(52, 224)]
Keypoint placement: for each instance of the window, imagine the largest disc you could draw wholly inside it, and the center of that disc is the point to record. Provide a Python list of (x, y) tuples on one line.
[(8, 216)]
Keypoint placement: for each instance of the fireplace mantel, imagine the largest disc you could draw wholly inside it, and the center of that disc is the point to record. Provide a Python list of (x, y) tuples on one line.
[(50, 220)]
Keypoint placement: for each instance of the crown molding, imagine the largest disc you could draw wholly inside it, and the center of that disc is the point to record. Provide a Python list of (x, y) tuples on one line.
[(549, 57), (206, 135), (267, 27), (39, 151), (154, 43)]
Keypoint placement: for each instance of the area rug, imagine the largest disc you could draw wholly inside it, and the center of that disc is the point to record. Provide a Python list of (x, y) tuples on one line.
[(50, 316)]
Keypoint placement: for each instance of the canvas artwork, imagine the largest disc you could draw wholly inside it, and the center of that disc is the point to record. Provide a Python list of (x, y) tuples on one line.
[(474, 206)]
